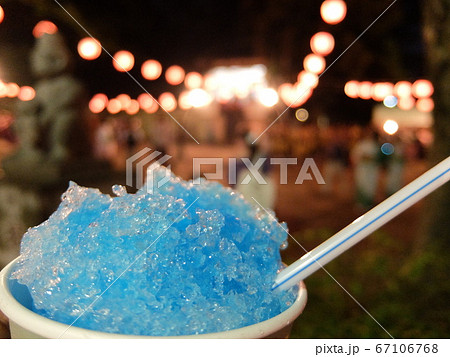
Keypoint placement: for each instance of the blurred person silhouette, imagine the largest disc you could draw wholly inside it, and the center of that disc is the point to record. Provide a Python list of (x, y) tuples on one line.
[(262, 191), (365, 160), (395, 165), (336, 160)]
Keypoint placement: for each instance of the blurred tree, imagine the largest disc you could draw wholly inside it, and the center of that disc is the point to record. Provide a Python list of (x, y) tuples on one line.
[(428, 271)]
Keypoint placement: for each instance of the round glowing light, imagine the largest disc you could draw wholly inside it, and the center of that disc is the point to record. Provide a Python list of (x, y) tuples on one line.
[(151, 69), (133, 107), (387, 149), (98, 103), (44, 27), (390, 126), (285, 90), (193, 80), (382, 90), (314, 63), (168, 101), (3, 89), (2, 14), (13, 90), (406, 103), (402, 89), (365, 90), (123, 61), (299, 95), (89, 48), (199, 98), (268, 97), (174, 75), (114, 106), (425, 105), (183, 100), (422, 88), (351, 89), (302, 114), (26, 94), (147, 103), (322, 43), (390, 101), (333, 11), (308, 79), (124, 100)]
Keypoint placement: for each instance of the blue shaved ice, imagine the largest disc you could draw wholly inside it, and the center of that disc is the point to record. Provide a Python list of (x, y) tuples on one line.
[(179, 259)]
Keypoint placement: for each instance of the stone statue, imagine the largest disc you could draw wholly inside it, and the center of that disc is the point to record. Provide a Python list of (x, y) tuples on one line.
[(49, 128)]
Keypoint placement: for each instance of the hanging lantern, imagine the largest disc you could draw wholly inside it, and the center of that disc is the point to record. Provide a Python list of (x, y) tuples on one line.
[(322, 43), (193, 80), (351, 89), (151, 69), (174, 75), (168, 101), (422, 88), (123, 61), (333, 11), (314, 63), (89, 48), (402, 89)]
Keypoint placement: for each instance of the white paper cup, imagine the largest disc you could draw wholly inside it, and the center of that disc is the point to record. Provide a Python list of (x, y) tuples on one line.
[(15, 302)]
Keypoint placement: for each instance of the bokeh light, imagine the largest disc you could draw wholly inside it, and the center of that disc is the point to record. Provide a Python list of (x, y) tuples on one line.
[(302, 114), (387, 149), (199, 98), (89, 48), (406, 103), (299, 95), (123, 61), (133, 107), (151, 69), (98, 103), (44, 27), (114, 106), (382, 90), (124, 100), (314, 63), (422, 88), (390, 127), (168, 101), (26, 93), (193, 80), (268, 97), (308, 79), (365, 90), (402, 89), (333, 11), (425, 105), (390, 101), (322, 43), (183, 100), (174, 75), (147, 103), (12, 90), (3, 89), (2, 14), (351, 89)]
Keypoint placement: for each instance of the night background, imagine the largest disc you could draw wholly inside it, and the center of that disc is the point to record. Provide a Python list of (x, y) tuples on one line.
[(195, 35), (400, 273)]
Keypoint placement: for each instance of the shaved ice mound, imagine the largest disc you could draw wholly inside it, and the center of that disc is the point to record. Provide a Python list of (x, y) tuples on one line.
[(180, 259)]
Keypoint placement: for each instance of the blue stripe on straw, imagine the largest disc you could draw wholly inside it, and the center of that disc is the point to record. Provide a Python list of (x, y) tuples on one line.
[(362, 228)]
